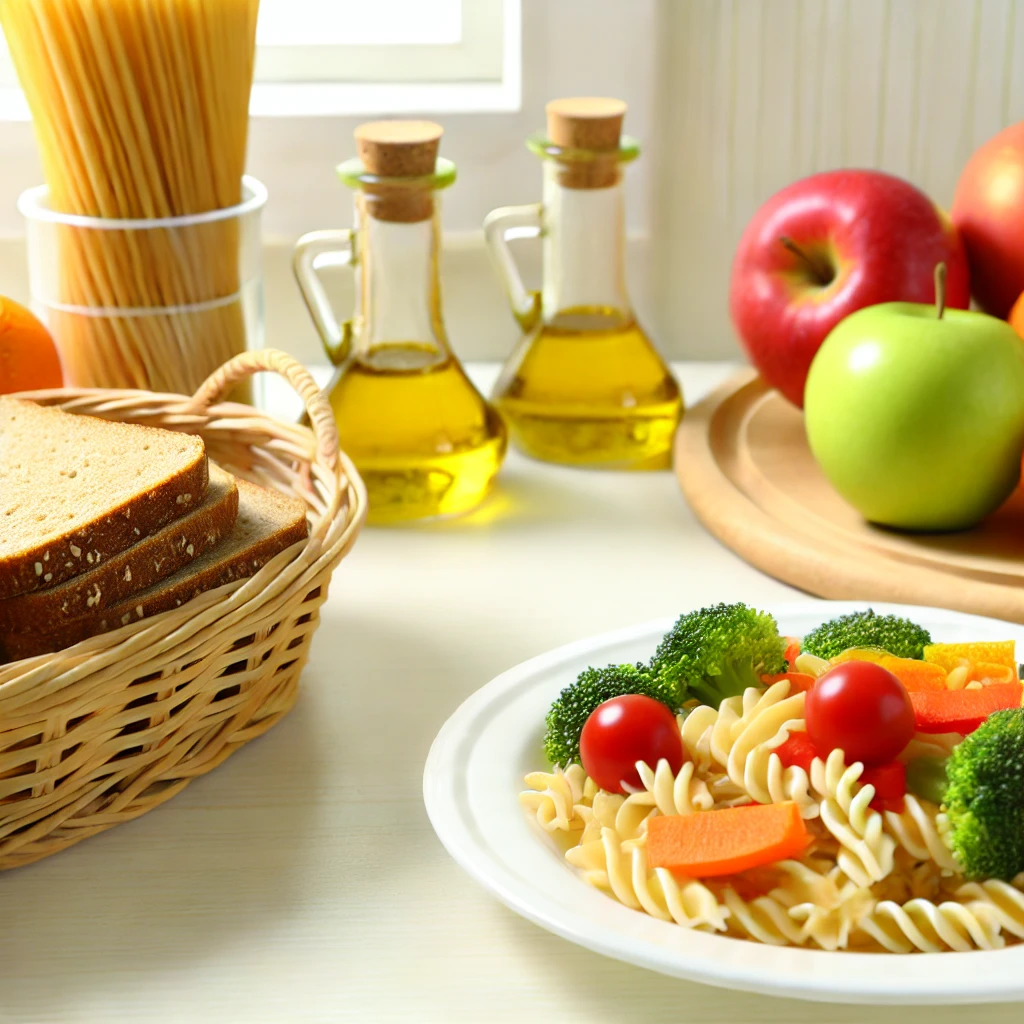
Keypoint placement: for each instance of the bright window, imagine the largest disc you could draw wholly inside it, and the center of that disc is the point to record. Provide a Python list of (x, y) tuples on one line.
[(361, 56), (382, 41), (359, 23)]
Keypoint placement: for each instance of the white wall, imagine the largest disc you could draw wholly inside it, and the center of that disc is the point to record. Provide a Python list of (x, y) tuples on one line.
[(731, 99), (761, 92), (296, 157), (296, 160), (612, 55)]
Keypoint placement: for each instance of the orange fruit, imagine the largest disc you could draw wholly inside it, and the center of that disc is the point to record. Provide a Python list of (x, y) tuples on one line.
[(28, 356)]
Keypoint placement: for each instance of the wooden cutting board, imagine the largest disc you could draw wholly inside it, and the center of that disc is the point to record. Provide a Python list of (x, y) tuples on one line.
[(742, 460)]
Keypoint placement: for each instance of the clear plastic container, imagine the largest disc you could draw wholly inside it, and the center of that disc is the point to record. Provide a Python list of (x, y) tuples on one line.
[(147, 303)]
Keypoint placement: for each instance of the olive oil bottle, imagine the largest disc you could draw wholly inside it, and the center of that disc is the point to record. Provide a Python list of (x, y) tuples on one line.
[(424, 440), (585, 386)]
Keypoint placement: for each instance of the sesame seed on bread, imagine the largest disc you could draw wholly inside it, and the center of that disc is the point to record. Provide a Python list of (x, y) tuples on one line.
[(75, 490), (267, 523), (136, 568)]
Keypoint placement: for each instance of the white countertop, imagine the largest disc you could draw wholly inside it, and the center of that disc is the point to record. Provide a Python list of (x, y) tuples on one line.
[(301, 881)]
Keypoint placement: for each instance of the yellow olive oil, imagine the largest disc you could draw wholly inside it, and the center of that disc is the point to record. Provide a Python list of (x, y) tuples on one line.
[(423, 439), (589, 389)]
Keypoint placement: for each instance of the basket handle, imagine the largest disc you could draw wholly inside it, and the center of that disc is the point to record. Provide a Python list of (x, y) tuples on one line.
[(245, 364)]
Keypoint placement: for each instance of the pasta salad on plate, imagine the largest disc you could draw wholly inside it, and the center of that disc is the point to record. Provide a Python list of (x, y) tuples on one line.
[(860, 788)]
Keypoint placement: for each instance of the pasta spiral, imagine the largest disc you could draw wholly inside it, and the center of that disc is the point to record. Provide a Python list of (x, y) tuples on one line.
[(741, 738), (917, 831), (620, 868), (1005, 901), (661, 792), (866, 853), (555, 798), (929, 927), (807, 904)]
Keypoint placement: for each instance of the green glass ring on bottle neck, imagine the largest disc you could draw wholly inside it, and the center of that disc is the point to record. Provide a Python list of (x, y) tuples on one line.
[(354, 174), (542, 146)]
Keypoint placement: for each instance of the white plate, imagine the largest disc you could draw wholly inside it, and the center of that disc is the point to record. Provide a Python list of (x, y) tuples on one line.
[(471, 784)]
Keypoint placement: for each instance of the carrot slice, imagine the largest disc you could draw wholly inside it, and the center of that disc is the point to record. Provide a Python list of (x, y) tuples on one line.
[(723, 842), (792, 649), (963, 711), (799, 682), (949, 656), (798, 751)]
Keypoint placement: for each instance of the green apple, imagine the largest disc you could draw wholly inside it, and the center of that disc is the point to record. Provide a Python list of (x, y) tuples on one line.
[(916, 415)]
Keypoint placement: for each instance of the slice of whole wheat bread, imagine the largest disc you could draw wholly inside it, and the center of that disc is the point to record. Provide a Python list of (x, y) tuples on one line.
[(75, 490), (136, 568), (268, 522)]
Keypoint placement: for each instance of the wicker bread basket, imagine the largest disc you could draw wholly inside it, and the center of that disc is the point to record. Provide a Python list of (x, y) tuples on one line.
[(108, 729)]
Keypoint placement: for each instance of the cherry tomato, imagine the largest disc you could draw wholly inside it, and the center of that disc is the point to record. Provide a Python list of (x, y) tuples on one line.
[(861, 708), (624, 730)]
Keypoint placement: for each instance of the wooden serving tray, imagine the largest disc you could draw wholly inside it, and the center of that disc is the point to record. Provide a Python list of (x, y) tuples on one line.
[(743, 463)]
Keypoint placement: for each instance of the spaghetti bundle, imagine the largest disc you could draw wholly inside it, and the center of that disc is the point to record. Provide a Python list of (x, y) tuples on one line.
[(141, 113)]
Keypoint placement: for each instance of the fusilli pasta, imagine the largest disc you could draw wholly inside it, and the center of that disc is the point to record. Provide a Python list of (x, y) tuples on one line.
[(620, 868), (555, 798), (917, 830), (867, 851), (741, 738), (870, 880)]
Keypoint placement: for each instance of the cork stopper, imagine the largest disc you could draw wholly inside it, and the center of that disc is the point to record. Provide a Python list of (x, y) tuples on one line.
[(399, 149), (591, 123)]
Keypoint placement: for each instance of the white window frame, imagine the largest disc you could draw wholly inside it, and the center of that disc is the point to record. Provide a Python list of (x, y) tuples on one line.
[(598, 47), (480, 73)]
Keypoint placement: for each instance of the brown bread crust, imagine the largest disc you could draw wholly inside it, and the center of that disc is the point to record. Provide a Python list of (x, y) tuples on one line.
[(50, 561), (147, 562), (268, 522)]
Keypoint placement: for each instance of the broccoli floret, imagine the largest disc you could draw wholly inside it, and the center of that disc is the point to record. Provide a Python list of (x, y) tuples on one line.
[(569, 713), (900, 637), (985, 798), (718, 652)]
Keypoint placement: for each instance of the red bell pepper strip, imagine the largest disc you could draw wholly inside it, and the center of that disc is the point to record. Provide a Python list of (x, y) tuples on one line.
[(798, 751), (962, 711), (890, 782)]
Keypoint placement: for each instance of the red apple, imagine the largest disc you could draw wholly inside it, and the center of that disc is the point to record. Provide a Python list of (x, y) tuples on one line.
[(988, 210), (828, 245)]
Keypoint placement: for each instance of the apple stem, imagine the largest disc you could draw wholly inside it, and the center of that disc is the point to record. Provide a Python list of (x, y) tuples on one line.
[(819, 268), (940, 289)]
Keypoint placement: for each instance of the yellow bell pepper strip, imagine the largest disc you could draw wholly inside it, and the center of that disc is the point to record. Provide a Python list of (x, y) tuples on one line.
[(916, 676), (991, 672), (949, 656)]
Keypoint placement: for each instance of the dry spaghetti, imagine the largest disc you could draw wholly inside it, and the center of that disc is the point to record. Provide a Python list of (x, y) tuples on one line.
[(140, 109)]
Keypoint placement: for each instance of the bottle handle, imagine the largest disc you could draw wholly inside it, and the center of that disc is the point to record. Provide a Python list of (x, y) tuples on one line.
[(499, 226), (306, 260)]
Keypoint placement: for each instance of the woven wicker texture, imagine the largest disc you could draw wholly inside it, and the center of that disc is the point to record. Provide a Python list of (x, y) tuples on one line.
[(112, 727)]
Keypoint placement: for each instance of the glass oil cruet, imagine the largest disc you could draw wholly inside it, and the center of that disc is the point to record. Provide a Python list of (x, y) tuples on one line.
[(424, 440), (585, 386)]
